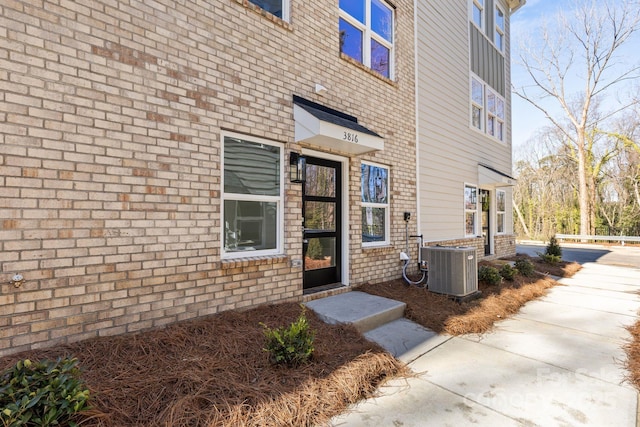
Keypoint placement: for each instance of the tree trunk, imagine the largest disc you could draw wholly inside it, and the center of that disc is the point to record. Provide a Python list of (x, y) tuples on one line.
[(583, 190)]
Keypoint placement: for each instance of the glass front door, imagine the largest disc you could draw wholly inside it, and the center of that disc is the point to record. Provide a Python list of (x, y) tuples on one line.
[(485, 197), (322, 213)]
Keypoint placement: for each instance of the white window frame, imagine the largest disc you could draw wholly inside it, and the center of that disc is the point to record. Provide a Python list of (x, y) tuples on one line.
[(479, 5), (368, 34), (487, 114), (278, 200), (385, 206), (285, 9), (499, 30), (470, 211), (500, 213), (476, 105)]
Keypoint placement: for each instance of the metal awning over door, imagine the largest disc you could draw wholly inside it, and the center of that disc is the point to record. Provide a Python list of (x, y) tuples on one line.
[(327, 129)]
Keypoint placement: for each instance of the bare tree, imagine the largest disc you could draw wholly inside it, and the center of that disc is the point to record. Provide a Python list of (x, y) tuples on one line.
[(583, 49)]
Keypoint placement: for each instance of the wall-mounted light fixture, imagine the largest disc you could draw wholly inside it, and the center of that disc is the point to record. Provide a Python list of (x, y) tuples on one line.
[(297, 167)]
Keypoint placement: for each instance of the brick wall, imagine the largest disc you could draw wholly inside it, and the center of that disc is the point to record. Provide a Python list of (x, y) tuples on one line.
[(110, 122), (504, 245)]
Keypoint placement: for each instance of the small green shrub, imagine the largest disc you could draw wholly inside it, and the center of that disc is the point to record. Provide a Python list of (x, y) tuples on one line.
[(553, 248), (508, 272), (291, 345), (525, 267), (550, 259), (42, 394), (489, 275)]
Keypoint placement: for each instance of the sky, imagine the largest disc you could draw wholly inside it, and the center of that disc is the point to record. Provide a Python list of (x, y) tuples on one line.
[(525, 27)]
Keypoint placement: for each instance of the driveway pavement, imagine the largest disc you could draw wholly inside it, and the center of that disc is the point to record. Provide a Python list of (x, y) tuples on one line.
[(558, 362)]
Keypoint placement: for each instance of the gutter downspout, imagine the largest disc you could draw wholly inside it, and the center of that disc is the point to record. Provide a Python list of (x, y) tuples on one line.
[(417, 115)]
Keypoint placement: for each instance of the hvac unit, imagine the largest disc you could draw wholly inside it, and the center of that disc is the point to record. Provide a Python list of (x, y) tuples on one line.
[(452, 270)]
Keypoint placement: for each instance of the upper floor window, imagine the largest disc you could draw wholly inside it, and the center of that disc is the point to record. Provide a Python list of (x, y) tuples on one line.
[(498, 38), (375, 204), (278, 8), (487, 109), (477, 13), (366, 33), (251, 197)]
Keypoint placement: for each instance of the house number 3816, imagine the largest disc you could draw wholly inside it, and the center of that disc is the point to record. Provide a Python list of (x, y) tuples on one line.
[(351, 137)]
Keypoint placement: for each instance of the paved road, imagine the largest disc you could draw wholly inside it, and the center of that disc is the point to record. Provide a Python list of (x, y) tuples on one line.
[(623, 256)]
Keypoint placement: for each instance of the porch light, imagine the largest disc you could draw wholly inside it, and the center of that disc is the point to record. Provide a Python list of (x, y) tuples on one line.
[(297, 166)]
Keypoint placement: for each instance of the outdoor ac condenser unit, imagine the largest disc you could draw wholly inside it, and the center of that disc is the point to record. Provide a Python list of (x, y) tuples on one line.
[(452, 270)]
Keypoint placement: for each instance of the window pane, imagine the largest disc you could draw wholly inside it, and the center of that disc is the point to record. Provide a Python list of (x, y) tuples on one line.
[(320, 216), (500, 219), (373, 224), (251, 168), (272, 6), (374, 184), (249, 226), (500, 108), (320, 181), (477, 16), (491, 102), (476, 117), (501, 201), (499, 41), (381, 20), (350, 40), (477, 92), (320, 253), (470, 198), (379, 58), (470, 223), (500, 130), (499, 19), (491, 122), (355, 8)]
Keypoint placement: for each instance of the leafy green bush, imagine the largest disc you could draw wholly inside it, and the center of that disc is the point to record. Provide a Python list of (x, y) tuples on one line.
[(508, 272), (550, 259), (291, 345), (489, 275), (525, 267), (42, 394), (553, 248)]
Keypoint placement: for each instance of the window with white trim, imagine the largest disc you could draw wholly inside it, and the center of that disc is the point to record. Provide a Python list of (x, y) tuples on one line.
[(501, 210), (477, 13), (252, 197), (278, 8), (477, 104), (487, 109), (366, 33), (470, 209), (375, 204), (498, 38)]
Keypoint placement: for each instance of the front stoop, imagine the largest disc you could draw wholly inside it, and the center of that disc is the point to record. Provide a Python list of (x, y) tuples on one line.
[(381, 320), (362, 310)]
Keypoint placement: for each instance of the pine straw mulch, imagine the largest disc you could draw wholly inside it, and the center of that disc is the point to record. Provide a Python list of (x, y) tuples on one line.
[(444, 315), (213, 372)]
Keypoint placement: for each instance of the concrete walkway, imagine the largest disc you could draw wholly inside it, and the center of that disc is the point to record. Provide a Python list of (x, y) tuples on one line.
[(559, 362)]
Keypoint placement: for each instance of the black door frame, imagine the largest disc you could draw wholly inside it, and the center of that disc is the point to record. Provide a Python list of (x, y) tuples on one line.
[(329, 275)]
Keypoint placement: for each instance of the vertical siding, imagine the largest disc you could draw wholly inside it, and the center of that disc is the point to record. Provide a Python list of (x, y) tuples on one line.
[(487, 62)]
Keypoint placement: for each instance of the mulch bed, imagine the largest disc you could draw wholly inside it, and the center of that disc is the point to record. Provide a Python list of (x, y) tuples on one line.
[(214, 372), (444, 315)]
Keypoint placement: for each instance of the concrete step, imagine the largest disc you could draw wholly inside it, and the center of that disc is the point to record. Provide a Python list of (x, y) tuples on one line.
[(364, 311), (406, 340)]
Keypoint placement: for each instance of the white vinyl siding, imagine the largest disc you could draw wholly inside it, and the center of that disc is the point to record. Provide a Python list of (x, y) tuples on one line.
[(449, 155)]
